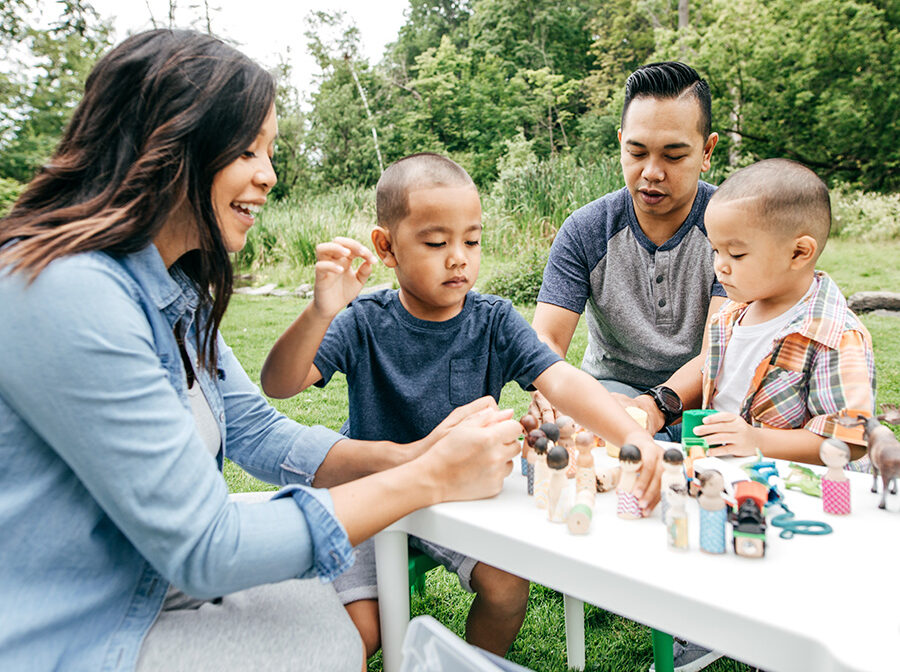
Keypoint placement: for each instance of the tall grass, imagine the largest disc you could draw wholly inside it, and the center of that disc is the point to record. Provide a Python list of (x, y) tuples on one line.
[(522, 212)]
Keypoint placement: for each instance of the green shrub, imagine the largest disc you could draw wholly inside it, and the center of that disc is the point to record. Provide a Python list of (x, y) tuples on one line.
[(520, 282), (9, 192), (866, 216)]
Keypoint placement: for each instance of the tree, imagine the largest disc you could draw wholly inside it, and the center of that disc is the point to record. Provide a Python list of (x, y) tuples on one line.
[(815, 81)]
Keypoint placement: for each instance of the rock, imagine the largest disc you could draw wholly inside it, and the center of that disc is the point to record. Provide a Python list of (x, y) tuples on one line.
[(863, 302), (256, 291)]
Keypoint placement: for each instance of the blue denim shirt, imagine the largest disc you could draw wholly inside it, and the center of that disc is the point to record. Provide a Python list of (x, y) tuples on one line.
[(107, 493)]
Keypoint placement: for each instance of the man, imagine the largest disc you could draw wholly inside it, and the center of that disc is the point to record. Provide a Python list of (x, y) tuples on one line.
[(638, 258)]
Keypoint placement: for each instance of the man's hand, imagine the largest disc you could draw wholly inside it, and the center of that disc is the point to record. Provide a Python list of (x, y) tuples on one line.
[(728, 434), (337, 282), (541, 409)]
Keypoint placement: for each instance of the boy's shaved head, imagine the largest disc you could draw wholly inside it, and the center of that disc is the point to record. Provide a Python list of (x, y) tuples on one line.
[(417, 171), (789, 198)]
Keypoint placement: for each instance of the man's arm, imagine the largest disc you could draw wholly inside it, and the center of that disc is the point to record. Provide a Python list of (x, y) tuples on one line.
[(554, 326), (687, 381)]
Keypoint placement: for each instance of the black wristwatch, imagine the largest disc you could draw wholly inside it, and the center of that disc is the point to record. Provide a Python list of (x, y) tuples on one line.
[(668, 402)]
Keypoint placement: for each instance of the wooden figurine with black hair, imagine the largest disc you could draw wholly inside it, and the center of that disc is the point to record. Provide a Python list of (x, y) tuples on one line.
[(835, 454), (541, 472), (530, 456), (713, 511), (567, 429), (673, 474), (528, 423), (627, 505), (557, 461)]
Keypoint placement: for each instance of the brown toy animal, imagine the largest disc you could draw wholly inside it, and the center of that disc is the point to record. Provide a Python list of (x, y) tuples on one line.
[(884, 452)]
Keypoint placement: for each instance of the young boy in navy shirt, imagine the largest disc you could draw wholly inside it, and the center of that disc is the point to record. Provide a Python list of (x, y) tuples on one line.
[(412, 356)]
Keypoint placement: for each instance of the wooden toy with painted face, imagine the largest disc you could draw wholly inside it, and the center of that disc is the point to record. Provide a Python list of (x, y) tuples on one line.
[(627, 505), (676, 517), (542, 472), (567, 429), (673, 474), (713, 512), (557, 461), (585, 477), (835, 454)]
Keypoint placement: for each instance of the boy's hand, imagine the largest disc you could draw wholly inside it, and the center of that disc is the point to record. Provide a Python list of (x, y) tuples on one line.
[(646, 488), (337, 282), (728, 434)]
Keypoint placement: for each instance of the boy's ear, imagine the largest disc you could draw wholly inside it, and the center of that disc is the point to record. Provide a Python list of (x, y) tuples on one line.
[(805, 251), (381, 241)]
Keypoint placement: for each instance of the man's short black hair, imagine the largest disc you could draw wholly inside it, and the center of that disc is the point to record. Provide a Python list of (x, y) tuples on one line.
[(670, 79)]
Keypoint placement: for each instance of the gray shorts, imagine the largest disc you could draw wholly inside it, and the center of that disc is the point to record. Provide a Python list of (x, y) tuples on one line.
[(360, 583)]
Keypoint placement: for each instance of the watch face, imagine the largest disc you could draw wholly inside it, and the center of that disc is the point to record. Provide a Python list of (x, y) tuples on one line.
[(669, 399)]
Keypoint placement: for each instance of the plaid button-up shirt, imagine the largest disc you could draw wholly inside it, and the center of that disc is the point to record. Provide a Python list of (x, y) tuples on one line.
[(822, 363)]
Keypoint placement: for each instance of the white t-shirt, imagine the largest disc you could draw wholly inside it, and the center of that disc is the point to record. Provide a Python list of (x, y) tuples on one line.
[(746, 348), (207, 427)]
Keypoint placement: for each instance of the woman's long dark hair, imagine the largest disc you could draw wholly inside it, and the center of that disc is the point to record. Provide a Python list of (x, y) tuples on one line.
[(162, 113)]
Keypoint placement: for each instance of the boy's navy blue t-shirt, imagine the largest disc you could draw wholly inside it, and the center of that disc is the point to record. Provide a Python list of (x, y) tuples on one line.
[(405, 375)]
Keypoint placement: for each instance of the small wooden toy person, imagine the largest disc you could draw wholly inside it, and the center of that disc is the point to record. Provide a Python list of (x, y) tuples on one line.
[(557, 461), (567, 429), (531, 456), (580, 515), (541, 472), (528, 423), (585, 476), (713, 512), (673, 474), (607, 477), (835, 485), (627, 505), (676, 516)]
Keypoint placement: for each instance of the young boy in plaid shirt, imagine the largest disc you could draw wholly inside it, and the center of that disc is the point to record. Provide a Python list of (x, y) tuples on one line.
[(786, 354)]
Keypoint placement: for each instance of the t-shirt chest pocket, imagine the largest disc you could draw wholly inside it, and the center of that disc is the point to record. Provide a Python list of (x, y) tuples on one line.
[(467, 379)]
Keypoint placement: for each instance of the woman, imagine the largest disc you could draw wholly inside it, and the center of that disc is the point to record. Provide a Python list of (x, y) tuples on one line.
[(119, 399)]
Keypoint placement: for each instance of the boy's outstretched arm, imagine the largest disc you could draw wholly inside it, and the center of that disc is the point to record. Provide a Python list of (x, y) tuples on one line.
[(578, 394), (289, 368)]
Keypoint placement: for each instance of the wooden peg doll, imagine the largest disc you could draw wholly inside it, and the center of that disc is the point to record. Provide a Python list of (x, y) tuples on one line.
[(676, 516), (673, 474), (585, 476), (835, 455), (557, 461), (550, 430), (627, 505), (580, 515), (607, 477), (567, 429), (713, 512), (528, 423), (530, 456), (541, 472)]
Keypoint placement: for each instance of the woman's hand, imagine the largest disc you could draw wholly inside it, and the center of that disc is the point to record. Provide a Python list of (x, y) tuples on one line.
[(461, 415), (337, 282), (475, 456), (728, 434)]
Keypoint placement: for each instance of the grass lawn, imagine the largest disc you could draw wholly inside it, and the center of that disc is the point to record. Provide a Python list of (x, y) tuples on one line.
[(253, 323)]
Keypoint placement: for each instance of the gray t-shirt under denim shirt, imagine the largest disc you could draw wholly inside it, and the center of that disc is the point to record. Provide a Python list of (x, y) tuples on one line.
[(405, 375), (646, 304)]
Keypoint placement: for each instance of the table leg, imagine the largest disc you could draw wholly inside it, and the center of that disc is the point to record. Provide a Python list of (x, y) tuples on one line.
[(392, 567), (662, 652), (574, 611)]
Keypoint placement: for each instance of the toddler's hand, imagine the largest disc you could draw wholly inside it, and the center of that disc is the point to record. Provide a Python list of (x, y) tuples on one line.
[(337, 282), (728, 434)]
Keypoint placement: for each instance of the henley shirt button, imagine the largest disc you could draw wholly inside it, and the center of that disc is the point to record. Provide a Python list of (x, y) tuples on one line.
[(662, 303), (659, 279), (222, 417)]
